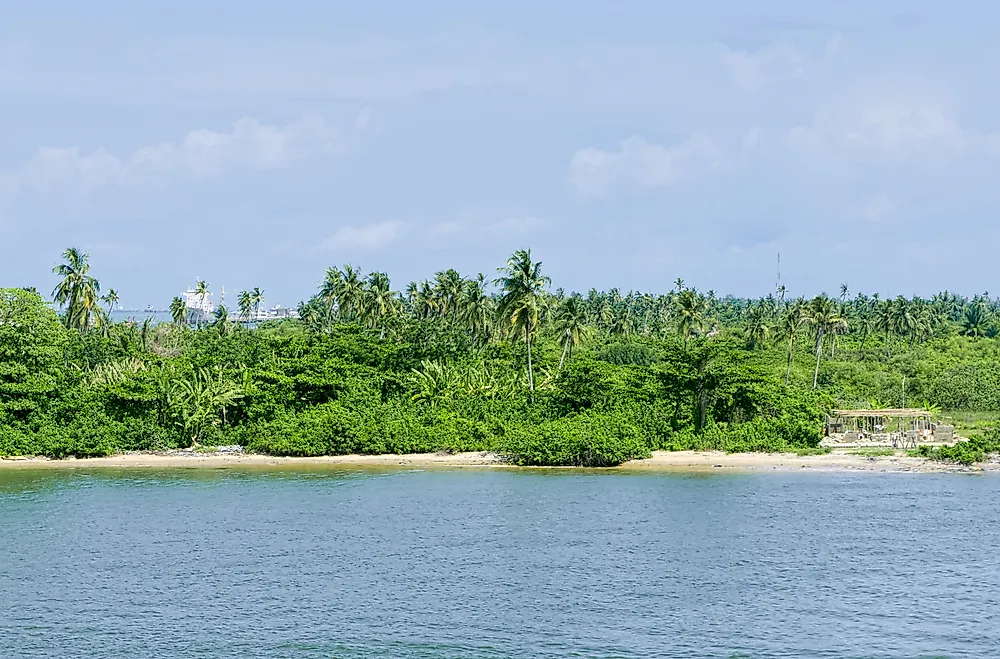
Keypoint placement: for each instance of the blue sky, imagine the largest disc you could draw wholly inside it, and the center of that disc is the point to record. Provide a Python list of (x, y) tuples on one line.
[(627, 143)]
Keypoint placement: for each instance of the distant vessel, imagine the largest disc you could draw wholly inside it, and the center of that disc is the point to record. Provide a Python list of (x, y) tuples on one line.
[(199, 303)]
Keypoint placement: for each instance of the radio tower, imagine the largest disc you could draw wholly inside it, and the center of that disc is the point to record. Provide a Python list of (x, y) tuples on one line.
[(779, 291)]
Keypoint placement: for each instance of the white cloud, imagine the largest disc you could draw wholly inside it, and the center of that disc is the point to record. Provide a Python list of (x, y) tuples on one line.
[(199, 154), (878, 209), (367, 237), (752, 69), (887, 130), (637, 162), (506, 227), (364, 119)]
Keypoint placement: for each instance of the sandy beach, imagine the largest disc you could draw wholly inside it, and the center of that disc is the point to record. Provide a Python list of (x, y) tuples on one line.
[(660, 461)]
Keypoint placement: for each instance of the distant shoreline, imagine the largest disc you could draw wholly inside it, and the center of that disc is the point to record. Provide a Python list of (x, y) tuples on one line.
[(661, 461)]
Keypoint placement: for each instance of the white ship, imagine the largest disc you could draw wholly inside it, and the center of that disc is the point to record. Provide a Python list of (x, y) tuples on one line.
[(198, 303), (201, 306)]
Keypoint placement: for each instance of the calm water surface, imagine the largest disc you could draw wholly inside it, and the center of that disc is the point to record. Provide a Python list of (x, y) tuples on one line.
[(209, 564)]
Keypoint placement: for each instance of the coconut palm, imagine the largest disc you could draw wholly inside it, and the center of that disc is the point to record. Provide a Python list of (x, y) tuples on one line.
[(178, 311), (350, 293), (111, 299), (78, 291), (476, 308), (975, 320), (758, 331), (257, 298), (244, 301), (379, 301), (222, 322), (794, 318), (522, 286), (824, 317), (448, 288), (570, 325), (692, 310)]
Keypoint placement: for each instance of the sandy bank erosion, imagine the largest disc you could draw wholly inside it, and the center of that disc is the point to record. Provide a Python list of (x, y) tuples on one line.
[(660, 461)]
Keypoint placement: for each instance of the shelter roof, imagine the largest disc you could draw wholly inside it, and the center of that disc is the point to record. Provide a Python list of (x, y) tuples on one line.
[(882, 414)]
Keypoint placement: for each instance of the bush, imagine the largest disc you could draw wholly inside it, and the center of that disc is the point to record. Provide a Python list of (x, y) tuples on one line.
[(588, 439), (976, 449)]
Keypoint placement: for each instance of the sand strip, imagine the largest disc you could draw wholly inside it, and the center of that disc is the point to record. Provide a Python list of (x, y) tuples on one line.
[(660, 461)]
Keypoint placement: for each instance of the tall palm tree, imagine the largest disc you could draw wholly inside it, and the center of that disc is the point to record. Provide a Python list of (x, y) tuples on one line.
[(245, 303), (571, 325), (794, 318), (448, 287), (379, 301), (178, 311), (351, 293), (679, 284), (522, 286), (201, 290), (78, 291), (758, 331), (257, 297), (692, 310), (476, 308), (824, 317), (222, 323), (111, 299)]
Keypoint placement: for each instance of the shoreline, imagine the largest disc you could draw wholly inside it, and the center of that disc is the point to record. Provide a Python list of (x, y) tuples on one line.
[(661, 461)]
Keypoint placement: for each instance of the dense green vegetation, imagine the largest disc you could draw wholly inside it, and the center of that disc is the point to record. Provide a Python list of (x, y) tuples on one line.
[(468, 363)]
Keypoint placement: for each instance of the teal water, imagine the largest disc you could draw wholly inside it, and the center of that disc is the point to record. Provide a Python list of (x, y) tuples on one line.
[(211, 564)]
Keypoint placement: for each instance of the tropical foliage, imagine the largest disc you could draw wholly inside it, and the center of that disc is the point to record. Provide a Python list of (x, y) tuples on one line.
[(540, 376)]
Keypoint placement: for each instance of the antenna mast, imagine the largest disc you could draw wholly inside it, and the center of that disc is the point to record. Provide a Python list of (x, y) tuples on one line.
[(777, 284)]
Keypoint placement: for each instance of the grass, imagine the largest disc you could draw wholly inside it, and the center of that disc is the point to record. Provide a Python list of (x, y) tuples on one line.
[(873, 452), (971, 422), (806, 452)]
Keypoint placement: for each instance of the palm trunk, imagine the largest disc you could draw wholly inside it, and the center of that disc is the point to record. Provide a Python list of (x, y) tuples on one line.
[(788, 370), (563, 357), (819, 354), (531, 375)]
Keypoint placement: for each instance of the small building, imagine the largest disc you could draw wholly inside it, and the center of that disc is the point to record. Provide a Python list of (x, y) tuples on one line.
[(896, 428)]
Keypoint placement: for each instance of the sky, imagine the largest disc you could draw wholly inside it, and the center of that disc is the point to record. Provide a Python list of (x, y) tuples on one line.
[(625, 143)]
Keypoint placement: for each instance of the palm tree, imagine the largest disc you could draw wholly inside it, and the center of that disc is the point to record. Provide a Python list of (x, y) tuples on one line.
[(522, 286), (178, 311), (476, 308), (758, 331), (201, 290), (679, 284), (976, 320), (257, 298), (692, 309), (330, 289), (350, 293), (448, 287), (886, 321), (222, 321), (794, 318), (245, 303), (110, 299), (843, 293), (571, 325), (78, 291), (824, 317), (379, 301)]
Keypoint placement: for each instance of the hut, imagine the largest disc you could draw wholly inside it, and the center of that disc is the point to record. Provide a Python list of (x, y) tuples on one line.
[(896, 428)]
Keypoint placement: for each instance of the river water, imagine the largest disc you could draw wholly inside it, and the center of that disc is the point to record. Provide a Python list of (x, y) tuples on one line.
[(475, 563)]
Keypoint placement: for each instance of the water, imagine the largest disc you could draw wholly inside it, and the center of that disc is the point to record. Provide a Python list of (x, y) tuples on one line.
[(208, 564)]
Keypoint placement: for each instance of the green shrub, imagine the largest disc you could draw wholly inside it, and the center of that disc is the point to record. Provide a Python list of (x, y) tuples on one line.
[(588, 439)]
